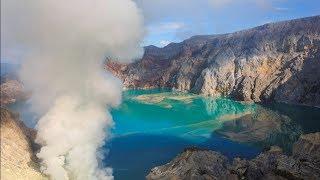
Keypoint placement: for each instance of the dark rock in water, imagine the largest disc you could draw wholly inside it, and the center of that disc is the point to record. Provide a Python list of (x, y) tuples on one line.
[(297, 168), (262, 167), (274, 62), (272, 164), (306, 152), (192, 164), (308, 147)]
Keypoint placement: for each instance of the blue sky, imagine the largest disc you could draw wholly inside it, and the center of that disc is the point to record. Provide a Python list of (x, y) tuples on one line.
[(175, 20)]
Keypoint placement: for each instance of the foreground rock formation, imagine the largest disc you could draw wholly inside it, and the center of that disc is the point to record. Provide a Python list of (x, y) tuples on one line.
[(196, 164), (17, 149), (274, 62)]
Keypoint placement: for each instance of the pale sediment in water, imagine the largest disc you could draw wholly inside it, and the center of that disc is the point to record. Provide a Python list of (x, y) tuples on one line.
[(163, 98), (187, 115), (229, 117)]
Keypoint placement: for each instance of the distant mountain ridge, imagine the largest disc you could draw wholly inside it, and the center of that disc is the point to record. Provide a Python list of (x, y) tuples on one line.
[(273, 62)]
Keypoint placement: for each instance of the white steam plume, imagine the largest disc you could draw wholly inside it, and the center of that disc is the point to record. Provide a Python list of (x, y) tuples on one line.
[(62, 44)]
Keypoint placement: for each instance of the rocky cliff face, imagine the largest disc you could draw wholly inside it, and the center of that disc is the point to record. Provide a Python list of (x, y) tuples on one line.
[(17, 149), (11, 87), (274, 62), (11, 91), (270, 165)]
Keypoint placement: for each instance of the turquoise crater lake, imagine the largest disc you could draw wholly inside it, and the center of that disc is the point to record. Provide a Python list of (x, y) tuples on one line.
[(153, 126)]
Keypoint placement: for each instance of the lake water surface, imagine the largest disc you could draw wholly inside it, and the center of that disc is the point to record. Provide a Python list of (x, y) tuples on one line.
[(153, 126)]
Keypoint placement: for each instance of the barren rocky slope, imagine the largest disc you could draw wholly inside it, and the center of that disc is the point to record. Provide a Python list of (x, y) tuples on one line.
[(274, 62), (17, 149), (271, 165), (11, 91), (11, 88)]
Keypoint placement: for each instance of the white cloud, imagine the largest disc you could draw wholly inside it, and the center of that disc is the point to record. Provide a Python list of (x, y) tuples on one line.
[(166, 27), (281, 8), (220, 3), (172, 25), (264, 4), (163, 43)]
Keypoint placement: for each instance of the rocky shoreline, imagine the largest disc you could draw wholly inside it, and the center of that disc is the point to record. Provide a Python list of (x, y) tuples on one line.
[(194, 163)]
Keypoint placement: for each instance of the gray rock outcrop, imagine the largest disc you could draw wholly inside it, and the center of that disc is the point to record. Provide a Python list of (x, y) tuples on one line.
[(270, 165), (193, 164)]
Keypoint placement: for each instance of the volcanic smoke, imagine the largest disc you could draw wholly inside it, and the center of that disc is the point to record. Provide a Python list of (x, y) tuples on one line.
[(62, 45)]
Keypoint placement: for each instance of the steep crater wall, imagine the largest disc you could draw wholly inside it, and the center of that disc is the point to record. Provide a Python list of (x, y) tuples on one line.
[(274, 62)]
